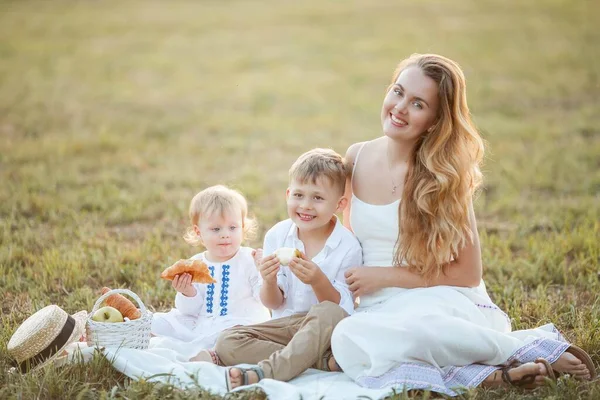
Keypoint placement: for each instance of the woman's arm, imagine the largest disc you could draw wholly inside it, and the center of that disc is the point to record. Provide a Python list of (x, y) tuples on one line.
[(466, 271)]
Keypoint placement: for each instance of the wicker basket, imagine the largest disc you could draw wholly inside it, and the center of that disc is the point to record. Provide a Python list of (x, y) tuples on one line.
[(133, 334)]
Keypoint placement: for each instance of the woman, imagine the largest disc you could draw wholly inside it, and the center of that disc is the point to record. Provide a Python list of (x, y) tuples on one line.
[(418, 321)]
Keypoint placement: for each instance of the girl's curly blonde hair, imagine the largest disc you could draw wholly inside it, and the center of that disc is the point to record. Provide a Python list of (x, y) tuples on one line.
[(443, 175), (218, 200)]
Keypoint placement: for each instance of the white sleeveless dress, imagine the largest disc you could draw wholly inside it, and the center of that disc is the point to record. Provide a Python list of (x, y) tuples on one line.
[(440, 338)]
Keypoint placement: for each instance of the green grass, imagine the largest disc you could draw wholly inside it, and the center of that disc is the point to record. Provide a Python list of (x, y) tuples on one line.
[(114, 114)]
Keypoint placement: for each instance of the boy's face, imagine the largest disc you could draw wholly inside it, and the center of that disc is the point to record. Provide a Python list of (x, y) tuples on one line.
[(311, 205), (221, 235)]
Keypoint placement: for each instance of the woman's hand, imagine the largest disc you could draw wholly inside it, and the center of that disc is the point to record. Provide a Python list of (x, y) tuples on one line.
[(365, 280), (183, 284)]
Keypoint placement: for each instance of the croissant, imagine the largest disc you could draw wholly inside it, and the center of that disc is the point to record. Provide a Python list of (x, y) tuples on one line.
[(123, 304), (196, 268)]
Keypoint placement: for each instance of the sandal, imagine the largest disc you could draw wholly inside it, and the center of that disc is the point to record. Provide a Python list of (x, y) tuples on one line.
[(259, 372), (584, 357), (526, 381)]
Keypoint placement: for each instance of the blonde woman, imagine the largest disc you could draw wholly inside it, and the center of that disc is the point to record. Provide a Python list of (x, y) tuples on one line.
[(424, 309)]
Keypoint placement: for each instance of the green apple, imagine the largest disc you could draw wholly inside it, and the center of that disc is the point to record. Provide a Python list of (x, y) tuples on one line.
[(107, 314)]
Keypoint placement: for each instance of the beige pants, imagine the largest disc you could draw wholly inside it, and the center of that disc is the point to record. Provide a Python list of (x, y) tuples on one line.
[(284, 347)]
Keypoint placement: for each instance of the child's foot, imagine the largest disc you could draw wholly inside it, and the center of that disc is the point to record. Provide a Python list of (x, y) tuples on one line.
[(517, 375), (333, 365), (207, 356), (568, 363), (241, 377)]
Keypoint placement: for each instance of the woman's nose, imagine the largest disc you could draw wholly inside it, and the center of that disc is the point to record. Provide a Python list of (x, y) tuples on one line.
[(400, 107)]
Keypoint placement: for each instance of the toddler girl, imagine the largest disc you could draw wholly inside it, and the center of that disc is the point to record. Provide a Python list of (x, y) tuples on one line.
[(220, 223)]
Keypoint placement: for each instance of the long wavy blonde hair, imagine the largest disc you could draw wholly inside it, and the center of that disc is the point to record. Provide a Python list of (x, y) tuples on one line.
[(442, 177)]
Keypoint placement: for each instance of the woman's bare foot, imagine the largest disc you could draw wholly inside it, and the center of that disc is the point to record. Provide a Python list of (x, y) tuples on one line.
[(568, 363), (236, 377), (516, 374)]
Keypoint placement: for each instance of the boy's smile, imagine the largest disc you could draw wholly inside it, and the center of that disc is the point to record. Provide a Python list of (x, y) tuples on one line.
[(311, 205)]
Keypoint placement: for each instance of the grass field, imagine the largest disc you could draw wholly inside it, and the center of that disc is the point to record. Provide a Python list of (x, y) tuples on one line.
[(114, 114)]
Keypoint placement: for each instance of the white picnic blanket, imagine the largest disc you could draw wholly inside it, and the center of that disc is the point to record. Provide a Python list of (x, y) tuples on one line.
[(163, 364)]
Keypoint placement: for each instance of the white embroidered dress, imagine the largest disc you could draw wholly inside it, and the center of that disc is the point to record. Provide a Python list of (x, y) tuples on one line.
[(233, 300), (420, 338)]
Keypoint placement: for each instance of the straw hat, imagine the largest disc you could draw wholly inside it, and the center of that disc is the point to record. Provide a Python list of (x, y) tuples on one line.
[(42, 337)]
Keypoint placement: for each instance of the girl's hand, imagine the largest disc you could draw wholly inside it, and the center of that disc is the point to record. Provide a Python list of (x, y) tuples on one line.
[(257, 256), (365, 280), (307, 271), (268, 268), (183, 284)]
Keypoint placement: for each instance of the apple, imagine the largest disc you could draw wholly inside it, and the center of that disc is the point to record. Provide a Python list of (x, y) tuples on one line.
[(285, 254), (107, 314)]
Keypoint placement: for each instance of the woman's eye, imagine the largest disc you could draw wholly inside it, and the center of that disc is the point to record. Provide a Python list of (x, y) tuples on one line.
[(418, 105), (398, 92)]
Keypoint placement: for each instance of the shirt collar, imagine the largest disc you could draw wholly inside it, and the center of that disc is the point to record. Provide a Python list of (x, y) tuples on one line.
[(334, 239)]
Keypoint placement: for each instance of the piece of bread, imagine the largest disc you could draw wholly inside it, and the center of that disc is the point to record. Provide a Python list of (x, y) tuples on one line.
[(123, 304), (196, 268), (285, 254)]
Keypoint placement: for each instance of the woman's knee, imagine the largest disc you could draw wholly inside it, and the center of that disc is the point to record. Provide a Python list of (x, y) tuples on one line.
[(340, 333)]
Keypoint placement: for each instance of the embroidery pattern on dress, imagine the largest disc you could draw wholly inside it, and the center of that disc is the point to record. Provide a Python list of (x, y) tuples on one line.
[(210, 292), (224, 290), (423, 376), (494, 308), (407, 376)]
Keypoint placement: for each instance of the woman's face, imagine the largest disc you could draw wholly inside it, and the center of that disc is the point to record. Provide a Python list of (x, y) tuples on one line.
[(410, 106)]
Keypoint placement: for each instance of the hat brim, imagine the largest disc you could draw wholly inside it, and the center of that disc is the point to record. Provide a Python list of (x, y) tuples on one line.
[(80, 321)]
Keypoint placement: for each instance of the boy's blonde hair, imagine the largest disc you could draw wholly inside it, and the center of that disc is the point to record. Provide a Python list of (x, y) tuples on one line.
[(320, 163), (218, 200)]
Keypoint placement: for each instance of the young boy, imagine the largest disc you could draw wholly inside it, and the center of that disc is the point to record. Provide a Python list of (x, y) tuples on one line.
[(309, 296)]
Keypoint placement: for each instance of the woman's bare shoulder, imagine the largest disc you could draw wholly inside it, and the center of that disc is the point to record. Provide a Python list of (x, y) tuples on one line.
[(352, 152)]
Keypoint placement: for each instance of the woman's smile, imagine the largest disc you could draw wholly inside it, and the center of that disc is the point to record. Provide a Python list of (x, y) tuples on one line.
[(396, 121)]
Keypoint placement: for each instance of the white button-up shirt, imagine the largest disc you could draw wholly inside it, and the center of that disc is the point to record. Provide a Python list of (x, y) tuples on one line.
[(341, 252)]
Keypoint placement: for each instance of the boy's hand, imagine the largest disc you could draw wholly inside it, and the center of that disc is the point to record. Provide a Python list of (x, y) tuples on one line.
[(257, 256), (307, 271), (183, 284), (268, 268)]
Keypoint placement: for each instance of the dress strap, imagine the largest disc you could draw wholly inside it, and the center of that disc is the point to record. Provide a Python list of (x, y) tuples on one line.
[(354, 166)]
